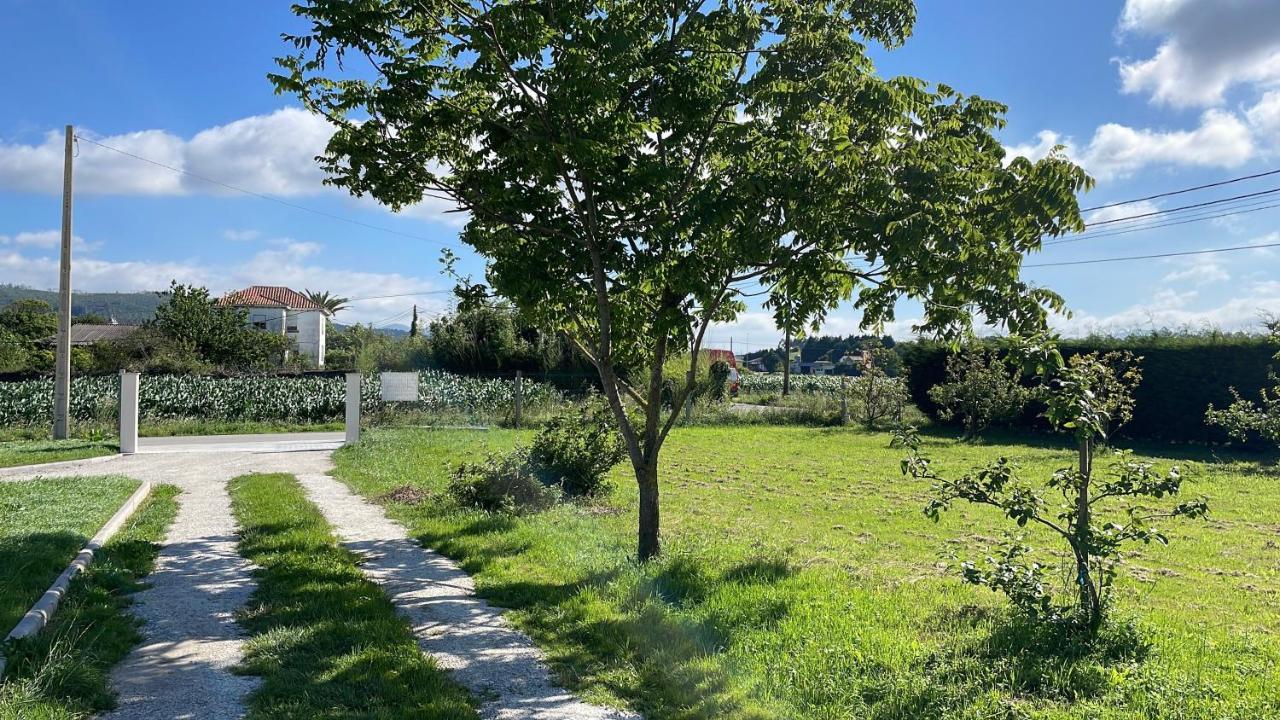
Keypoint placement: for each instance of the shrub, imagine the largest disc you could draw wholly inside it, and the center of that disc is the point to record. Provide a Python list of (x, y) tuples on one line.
[(502, 483), (577, 448), (876, 398), (980, 390), (718, 381), (1086, 397), (1243, 418)]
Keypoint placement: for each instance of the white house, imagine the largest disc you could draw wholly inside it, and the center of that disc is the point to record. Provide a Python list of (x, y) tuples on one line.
[(285, 311)]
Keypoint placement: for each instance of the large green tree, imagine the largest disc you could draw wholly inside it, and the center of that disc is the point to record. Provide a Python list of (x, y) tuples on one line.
[(630, 168)]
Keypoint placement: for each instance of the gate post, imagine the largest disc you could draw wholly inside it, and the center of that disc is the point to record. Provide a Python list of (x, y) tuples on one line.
[(128, 412), (519, 409), (353, 408)]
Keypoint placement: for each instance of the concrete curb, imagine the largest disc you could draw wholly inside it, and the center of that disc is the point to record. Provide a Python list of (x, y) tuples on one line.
[(42, 611)]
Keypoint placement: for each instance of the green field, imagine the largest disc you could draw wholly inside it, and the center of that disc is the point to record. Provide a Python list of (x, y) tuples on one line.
[(62, 673), (32, 452), (43, 524), (324, 639), (801, 580)]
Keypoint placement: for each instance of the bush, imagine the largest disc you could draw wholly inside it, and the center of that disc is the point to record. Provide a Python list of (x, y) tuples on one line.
[(502, 483), (979, 390), (1087, 396), (577, 448), (876, 398), (718, 381), (1183, 374)]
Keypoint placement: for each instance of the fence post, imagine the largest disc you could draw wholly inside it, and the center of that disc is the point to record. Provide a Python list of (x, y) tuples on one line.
[(353, 408), (128, 412), (519, 397), (844, 399)]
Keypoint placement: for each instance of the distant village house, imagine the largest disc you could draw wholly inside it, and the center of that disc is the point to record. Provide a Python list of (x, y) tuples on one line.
[(287, 312)]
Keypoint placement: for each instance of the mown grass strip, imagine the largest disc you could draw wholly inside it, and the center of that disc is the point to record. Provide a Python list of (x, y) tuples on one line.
[(62, 673), (35, 452), (43, 524), (325, 640)]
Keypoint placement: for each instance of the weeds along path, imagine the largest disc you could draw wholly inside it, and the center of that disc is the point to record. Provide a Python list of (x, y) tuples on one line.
[(498, 663), (182, 669)]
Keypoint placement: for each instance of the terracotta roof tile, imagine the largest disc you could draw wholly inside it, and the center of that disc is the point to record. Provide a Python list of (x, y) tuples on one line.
[(269, 296)]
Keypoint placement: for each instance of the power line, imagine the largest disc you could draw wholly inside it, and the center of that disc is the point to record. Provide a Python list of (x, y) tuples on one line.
[(1183, 191), (270, 198), (1151, 257), (1209, 203), (1156, 226)]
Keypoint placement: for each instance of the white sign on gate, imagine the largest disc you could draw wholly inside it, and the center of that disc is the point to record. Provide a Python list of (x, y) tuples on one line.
[(400, 387)]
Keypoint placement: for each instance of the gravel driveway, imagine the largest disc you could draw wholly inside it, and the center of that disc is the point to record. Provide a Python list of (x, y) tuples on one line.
[(182, 668)]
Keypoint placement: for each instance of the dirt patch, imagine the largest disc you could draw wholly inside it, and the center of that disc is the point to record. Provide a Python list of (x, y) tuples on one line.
[(406, 495)]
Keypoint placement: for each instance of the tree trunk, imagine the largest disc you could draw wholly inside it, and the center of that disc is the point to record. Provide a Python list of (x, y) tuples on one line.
[(1090, 603), (647, 479)]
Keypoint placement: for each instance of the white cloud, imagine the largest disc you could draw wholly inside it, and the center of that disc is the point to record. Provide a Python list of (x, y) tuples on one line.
[(1169, 309), (1119, 212), (1203, 270), (241, 235), (45, 239), (1264, 117), (285, 261), (1222, 140), (1208, 46), (1046, 140), (271, 154)]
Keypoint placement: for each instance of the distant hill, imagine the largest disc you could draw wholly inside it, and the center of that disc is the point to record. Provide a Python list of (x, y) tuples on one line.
[(392, 330), (127, 308)]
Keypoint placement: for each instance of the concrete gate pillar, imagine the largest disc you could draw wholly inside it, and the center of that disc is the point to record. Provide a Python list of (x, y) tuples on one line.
[(353, 408), (129, 382)]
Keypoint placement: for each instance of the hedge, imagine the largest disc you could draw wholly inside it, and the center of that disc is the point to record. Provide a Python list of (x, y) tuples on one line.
[(1181, 376)]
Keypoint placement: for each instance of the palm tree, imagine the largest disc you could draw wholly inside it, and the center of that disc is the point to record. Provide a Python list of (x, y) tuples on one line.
[(331, 304)]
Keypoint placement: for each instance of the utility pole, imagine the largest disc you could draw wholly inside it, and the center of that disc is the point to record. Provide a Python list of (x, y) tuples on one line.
[(62, 365)]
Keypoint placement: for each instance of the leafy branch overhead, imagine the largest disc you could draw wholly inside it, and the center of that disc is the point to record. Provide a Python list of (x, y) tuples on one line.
[(631, 169)]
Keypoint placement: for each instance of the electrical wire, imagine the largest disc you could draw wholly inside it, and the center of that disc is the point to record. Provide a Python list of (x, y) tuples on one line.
[(1152, 257), (1183, 208), (1183, 191), (1125, 231)]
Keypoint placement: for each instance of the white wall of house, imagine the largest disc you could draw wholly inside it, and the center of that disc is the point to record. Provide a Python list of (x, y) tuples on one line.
[(306, 328)]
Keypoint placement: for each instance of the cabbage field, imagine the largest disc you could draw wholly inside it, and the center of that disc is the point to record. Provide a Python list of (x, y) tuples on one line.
[(281, 398), (757, 383)]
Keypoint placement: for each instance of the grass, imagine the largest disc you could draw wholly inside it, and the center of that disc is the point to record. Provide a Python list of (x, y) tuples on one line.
[(801, 580), (45, 451), (43, 524), (62, 673), (325, 640), (89, 432)]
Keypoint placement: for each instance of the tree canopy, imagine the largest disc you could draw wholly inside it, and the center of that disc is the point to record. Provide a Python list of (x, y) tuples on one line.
[(630, 169)]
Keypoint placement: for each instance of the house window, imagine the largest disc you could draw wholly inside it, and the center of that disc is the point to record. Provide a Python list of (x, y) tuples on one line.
[(260, 324), (293, 328)]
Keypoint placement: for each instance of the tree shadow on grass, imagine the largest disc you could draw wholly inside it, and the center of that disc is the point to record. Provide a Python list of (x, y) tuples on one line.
[(1006, 651), (28, 564), (649, 639)]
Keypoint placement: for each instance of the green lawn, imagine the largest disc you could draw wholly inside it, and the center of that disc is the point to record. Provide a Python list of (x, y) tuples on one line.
[(19, 435), (325, 640), (62, 673), (43, 524), (801, 580), (31, 452)]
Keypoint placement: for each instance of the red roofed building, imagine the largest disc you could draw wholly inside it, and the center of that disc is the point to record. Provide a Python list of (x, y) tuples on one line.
[(285, 311)]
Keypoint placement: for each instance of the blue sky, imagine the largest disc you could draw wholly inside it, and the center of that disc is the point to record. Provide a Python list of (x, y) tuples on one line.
[(1149, 95)]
